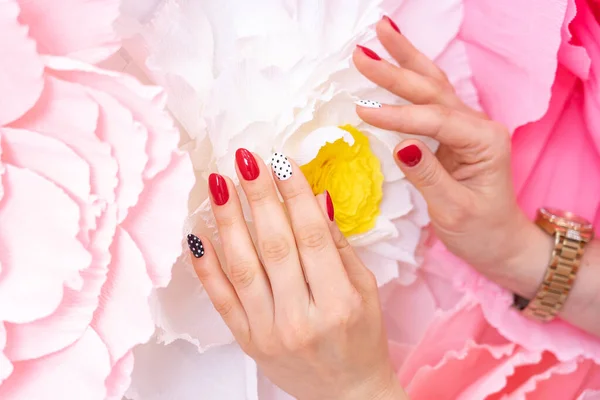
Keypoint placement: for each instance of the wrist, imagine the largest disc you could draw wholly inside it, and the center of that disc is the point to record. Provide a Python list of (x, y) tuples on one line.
[(385, 388), (528, 252)]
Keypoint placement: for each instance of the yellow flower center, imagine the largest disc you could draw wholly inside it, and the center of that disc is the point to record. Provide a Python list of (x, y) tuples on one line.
[(352, 176)]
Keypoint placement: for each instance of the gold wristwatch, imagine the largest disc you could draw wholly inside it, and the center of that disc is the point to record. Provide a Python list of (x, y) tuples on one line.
[(571, 233)]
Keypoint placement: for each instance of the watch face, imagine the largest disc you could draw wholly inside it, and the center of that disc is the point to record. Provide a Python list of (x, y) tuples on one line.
[(565, 217)]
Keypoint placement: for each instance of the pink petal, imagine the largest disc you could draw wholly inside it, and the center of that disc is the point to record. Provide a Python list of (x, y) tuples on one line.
[(21, 80), (513, 56), (162, 135), (152, 228), (75, 311), (124, 300), (6, 367), (562, 381), (37, 259), (564, 340), (403, 324), (127, 149), (120, 378), (74, 28), (77, 372)]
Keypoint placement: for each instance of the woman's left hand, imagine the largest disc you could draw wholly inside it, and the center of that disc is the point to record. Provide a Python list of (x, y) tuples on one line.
[(299, 301)]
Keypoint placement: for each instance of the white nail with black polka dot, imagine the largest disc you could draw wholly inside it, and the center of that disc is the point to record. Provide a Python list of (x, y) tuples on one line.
[(368, 103), (281, 166), (195, 245)]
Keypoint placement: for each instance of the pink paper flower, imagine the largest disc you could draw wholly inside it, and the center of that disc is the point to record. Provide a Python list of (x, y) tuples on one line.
[(537, 72), (92, 198)]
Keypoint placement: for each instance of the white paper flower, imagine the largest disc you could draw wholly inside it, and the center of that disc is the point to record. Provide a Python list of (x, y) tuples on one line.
[(274, 75)]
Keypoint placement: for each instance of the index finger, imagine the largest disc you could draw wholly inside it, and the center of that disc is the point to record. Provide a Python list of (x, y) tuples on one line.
[(450, 127)]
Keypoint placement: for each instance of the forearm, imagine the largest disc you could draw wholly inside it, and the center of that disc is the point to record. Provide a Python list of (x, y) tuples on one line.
[(523, 275)]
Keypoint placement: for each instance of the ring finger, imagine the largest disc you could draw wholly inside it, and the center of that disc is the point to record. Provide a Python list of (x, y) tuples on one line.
[(242, 266)]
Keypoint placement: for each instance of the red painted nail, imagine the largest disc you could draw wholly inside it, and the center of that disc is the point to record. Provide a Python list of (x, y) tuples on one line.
[(247, 164), (218, 189), (392, 23), (410, 155), (329, 206), (370, 53)]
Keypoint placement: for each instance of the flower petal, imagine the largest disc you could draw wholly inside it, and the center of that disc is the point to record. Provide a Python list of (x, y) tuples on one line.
[(180, 372), (513, 68), (124, 300), (74, 28), (21, 80), (38, 259), (75, 373)]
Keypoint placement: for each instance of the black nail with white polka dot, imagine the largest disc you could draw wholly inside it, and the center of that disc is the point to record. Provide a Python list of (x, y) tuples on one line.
[(281, 166), (195, 245)]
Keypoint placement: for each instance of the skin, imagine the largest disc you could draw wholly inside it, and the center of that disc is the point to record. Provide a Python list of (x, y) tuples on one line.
[(300, 302)]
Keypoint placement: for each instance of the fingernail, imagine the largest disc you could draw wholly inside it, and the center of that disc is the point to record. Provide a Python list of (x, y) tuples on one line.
[(329, 202), (247, 164), (392, 23), (281, 166), (218, 189), (410, 155), (368, 103), (195, 245), (370, 53)]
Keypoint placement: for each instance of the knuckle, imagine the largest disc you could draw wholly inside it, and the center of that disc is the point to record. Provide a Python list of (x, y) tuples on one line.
[(312, 236), (296, 340), (432, 93), (430, 174), (223, 307), (275, 249), (340, 240), (242, 273), (259, 194), (228, 220)]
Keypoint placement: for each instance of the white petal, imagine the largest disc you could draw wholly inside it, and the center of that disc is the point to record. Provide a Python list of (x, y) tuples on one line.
[(385, 269), (183, 311), (384, 229), (312, 143), (396, 200), (179, 371)]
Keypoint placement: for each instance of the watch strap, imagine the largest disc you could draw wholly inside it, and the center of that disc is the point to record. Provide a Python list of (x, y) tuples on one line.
[(559, 278)]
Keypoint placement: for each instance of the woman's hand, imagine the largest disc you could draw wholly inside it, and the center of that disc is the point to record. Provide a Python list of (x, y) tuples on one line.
[(298, 300), (468, 183)]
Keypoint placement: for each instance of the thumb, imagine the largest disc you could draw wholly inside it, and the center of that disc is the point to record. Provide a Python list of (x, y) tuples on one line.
[(422, 168)]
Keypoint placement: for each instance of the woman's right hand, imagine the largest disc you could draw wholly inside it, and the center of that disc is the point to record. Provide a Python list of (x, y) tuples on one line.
[(468, 183)]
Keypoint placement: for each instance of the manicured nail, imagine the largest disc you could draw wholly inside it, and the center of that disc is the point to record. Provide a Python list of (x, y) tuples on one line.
[(247, 164), (329, 202), (410, 155), (218, 189), (195, 245), (281, 166), (370, 53), (368, 103), (392, 23)]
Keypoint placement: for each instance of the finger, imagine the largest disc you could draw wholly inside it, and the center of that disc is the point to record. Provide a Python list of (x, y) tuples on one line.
[(403, 82), (217, 286), (243, 267), (425, 172), (359, 275), (450, 127), (321, 261), (275, 238), (407, 55)]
